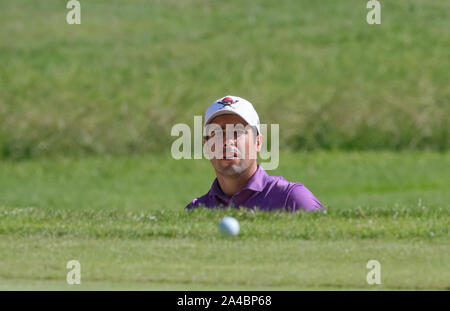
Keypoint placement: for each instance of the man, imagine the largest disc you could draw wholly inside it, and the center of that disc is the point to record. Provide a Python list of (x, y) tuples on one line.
[(241, 181)]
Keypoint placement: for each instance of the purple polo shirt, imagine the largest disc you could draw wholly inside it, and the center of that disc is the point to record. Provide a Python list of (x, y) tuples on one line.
[(264, 192)]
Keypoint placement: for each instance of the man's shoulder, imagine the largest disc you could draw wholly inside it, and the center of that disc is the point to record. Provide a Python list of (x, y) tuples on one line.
[(294, 194), (280, 184), (202, 200), (278, 190)]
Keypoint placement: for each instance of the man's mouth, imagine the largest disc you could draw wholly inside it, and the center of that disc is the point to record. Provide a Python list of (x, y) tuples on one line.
[(230, 154)]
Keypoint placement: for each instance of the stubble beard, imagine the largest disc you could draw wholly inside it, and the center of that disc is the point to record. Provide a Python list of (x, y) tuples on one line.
[(234, 169)]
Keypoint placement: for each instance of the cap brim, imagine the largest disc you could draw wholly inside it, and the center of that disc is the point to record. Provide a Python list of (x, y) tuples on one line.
[(223, 112)]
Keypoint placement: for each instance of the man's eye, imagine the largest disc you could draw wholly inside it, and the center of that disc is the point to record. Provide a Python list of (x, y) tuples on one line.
[(237, 132)]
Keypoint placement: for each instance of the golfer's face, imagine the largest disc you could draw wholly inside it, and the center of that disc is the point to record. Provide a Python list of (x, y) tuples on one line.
[(237, 150)]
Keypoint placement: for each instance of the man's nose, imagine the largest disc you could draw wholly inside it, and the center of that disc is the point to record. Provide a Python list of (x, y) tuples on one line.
[(231, 140)]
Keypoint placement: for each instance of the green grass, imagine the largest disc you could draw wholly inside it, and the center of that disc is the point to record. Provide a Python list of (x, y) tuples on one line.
[(118, 82), (123, 219)]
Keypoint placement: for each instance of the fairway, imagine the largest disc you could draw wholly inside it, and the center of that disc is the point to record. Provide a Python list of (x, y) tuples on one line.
[(123, 219)]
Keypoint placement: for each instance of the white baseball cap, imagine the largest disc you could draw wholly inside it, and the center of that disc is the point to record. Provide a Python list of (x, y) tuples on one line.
[(233, 105)]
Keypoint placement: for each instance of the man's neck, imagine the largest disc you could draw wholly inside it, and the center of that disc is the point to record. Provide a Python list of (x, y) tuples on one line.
[(231, 185)]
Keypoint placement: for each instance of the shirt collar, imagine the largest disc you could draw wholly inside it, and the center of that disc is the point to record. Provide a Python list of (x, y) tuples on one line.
[(256, 183)]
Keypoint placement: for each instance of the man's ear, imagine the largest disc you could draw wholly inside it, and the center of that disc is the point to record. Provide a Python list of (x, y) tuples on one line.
[(259, 140)]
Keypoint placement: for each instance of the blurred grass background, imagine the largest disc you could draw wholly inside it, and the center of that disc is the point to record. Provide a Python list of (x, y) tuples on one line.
[(118, 82)]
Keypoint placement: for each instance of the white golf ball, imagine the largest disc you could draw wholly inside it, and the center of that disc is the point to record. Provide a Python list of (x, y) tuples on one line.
[(229, 226)]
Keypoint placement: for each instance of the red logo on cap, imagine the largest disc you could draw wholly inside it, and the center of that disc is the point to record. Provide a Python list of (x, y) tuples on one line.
[(227, 101)]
